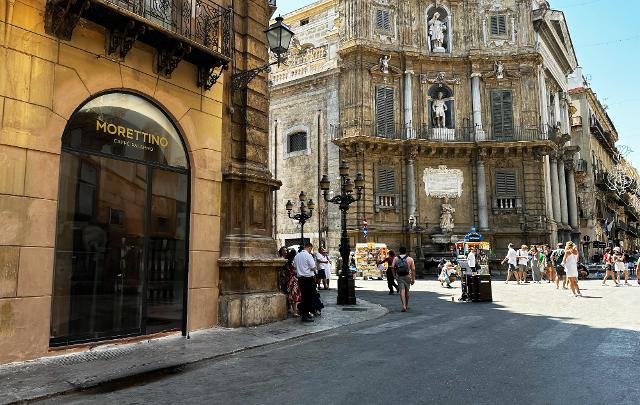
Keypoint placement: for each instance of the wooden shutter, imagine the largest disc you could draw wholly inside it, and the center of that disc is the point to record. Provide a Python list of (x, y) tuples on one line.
[(384, 112), (498, 25), (382, 20), (502, 114), (386, 181), (506, 184)]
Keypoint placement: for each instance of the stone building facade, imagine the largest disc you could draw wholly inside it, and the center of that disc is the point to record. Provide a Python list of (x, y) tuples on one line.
[(606, 182), (124, 211), (455, 111)]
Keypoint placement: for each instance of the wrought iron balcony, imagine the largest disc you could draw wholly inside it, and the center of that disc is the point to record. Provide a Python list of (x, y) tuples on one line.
[(426, 133), (198, 31)]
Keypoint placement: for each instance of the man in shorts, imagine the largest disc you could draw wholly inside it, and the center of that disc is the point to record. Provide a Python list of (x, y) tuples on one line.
[(512, 259), (405, 273), (523, 261)]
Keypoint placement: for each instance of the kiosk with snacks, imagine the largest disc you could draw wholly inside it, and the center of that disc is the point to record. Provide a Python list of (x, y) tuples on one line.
[(476, 286), (367, 257)]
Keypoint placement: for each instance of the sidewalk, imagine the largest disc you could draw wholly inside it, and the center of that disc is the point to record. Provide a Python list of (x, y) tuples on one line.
[(57, 375)]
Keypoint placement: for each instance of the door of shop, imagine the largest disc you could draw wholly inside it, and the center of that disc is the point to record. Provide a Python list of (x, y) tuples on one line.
[(121, 244)]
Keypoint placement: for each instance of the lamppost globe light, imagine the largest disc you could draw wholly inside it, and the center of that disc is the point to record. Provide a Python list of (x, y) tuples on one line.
[(359, 181), (348, 185), (279, 36), (325, 184), (302, 196), (289, 205), (311, 205), (344, 168)]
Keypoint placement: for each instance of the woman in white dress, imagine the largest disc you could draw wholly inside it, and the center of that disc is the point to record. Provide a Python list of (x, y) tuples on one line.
[(570, 263)]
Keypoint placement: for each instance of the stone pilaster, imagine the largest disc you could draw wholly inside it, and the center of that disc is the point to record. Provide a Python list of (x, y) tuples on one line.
[(571, 195), (477, 106), (481, 183), (564, 208), (411, 184), (555, 190), (408, 105), (248, 264)]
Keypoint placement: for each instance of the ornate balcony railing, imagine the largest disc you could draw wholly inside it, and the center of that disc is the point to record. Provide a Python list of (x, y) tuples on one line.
[(446, 135), (198, 31)]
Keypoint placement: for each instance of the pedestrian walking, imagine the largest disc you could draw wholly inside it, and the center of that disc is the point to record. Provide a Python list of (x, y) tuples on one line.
[(322, 258), (628, 265), (618, 264), (293, 287), (523, 261), (570, 263), (512, 259), (551, 274), (535, 263), (557, 258), (305, 270), (391, 281), (607, 258), (405, 272)]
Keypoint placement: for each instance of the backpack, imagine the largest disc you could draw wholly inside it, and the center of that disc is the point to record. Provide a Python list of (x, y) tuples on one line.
[(402, 269), (558, 257)]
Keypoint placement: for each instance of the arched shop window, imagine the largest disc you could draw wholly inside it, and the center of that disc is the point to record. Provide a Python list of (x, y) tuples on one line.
[(122, 225)]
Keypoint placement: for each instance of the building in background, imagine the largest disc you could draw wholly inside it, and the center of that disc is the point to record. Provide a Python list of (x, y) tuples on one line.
[(125, 212), (456, 113)]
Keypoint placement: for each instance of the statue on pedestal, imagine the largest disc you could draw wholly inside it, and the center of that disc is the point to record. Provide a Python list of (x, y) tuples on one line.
[(384, 64), (446, 217), (436, 33), (439, 111)]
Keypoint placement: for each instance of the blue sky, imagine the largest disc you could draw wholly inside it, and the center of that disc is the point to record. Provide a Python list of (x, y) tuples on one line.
[(606, 36)]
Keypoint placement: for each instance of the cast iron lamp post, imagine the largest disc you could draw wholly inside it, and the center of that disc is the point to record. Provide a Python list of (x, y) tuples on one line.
[(306, 212), (346, 284)]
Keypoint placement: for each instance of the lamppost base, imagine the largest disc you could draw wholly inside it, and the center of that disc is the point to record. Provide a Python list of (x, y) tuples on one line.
[(346, 291)]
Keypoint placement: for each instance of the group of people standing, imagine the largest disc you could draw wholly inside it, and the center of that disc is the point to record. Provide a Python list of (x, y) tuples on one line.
[(617, 263), (545, 263), (301, 277)]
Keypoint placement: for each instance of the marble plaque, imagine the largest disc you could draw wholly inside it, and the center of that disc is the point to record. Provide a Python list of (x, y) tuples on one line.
[(443, 182)]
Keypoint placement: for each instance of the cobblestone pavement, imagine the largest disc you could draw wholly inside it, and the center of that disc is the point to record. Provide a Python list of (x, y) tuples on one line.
[(533, 345)]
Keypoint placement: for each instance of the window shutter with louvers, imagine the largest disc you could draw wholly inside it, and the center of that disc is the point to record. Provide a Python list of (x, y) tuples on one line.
[(502, 115), (384, 112), (498, 25), (386, 181), (506, 184), (382, 20)]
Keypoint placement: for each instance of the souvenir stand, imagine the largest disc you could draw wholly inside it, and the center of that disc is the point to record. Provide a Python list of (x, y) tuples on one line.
[(367, 256)]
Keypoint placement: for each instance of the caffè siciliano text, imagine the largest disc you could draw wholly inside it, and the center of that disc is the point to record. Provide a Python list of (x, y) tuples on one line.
[(111, 173)]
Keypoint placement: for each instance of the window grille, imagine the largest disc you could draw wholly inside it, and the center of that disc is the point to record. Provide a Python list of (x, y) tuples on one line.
[(297, 142)]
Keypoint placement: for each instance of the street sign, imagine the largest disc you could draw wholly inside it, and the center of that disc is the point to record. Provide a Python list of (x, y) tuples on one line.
[(599, 245)]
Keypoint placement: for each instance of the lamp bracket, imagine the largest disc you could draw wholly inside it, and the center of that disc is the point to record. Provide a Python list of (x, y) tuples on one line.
[(209, 75), (240, 80)]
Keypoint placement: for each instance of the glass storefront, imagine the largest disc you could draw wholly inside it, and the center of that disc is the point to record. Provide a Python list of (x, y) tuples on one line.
[(122, 228)]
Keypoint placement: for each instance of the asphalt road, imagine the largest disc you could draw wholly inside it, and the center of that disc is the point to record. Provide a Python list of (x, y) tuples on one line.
[(533, 345)]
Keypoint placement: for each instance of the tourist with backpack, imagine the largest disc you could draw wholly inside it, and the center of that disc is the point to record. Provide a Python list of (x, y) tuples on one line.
[(558, 257), (405, 273)]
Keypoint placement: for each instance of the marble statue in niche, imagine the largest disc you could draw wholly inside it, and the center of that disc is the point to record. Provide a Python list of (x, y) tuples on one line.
[(439, 111), (499, 70), (437, 29), (384, 64)]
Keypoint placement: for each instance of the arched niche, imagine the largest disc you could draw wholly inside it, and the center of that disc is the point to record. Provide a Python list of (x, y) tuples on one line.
[(439, 29), (437, 94)]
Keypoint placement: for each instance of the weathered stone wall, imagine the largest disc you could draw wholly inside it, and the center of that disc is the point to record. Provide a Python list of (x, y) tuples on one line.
[(42, 81)]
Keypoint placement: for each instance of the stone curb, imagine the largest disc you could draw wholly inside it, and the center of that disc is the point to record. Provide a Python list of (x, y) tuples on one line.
[(56, 376)]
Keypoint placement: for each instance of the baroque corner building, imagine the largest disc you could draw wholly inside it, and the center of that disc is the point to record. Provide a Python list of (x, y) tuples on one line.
[(457, 113), (134, 188)]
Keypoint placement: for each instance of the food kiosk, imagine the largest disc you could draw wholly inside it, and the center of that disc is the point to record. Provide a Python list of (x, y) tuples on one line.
[(367, 256), (482, 248)]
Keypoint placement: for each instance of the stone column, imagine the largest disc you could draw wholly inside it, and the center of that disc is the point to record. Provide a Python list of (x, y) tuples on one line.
[(408, 105), (411, 185), (555, 190), (571, 196), (556, 111), (483, 211), (564, 208), (477, 106)]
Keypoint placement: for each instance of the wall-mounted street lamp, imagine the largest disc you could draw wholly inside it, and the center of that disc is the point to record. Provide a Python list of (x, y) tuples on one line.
[(306, 212), (346, 284), (279, 37)]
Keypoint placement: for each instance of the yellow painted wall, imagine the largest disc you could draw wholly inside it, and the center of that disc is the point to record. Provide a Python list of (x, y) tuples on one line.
[(42, 81)]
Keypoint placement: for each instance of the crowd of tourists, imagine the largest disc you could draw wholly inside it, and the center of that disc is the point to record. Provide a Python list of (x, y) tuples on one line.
[(562, 264), (301, 278)]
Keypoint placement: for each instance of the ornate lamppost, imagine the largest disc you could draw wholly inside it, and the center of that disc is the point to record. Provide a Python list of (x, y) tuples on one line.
[(306, 212), (346, 284)]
